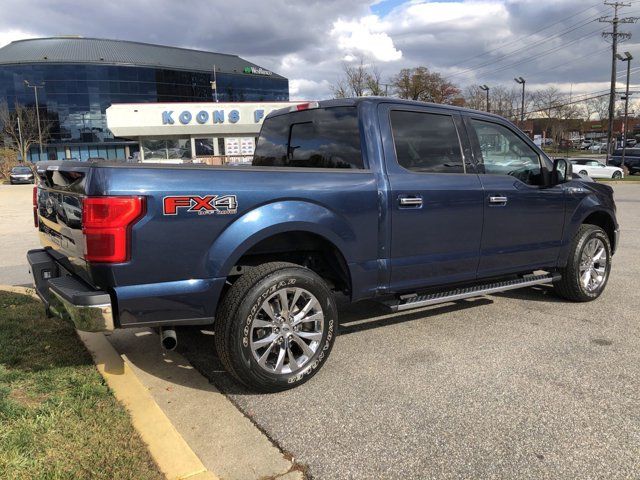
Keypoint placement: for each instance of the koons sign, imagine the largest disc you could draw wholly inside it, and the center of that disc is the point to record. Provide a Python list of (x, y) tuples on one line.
[(203, 117)]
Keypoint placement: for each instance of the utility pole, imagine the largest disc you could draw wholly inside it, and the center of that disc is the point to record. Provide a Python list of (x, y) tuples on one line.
[(615, 36), (627, 58), (521, 81), (486, 89), (35, 91)]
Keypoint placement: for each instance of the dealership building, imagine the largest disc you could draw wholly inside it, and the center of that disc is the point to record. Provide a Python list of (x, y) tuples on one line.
[(78, 79), (212, 133)]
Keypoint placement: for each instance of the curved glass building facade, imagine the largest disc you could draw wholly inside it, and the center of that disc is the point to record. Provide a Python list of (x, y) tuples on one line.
[(80, 78)]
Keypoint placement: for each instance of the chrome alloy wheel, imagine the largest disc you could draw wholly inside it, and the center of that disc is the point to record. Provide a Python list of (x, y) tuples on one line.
[(593, 265), (287, 330)]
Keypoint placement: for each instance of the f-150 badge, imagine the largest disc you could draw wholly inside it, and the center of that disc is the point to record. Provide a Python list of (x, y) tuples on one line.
[(207, 205)]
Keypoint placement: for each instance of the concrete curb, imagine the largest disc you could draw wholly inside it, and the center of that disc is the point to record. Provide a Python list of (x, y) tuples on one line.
[(619, 182), (172, 454)]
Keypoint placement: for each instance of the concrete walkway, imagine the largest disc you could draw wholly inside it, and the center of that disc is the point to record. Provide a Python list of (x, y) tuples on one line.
[(17, 234), (226, 441)]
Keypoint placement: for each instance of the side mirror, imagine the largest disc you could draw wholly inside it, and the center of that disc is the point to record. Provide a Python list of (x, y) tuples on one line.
[(562, 171)]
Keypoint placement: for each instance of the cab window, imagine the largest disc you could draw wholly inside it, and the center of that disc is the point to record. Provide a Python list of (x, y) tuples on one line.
[(502, 152), (426, 142)]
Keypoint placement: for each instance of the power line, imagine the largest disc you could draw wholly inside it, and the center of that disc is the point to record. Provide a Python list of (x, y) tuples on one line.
[(517, 40), (573, 60), (528, 47), (532, 57)]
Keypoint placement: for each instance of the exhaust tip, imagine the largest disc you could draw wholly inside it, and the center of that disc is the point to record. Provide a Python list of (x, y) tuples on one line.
[(168, 339)]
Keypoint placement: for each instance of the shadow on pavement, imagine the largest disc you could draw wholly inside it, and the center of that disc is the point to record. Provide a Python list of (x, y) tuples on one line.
[(196, 344)]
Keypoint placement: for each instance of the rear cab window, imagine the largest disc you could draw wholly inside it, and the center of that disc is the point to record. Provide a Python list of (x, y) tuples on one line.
[(426, 142), (316, 138)]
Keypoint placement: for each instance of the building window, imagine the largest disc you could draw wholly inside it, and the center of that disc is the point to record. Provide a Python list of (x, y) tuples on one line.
[(169, 149), (204, 147), (221, 149)]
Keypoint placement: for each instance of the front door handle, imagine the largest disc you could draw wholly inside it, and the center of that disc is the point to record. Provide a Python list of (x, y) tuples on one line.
[(498, 199), (415, 202)]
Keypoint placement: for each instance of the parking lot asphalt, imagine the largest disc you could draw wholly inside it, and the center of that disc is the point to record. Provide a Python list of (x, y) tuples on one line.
[(517, 385)]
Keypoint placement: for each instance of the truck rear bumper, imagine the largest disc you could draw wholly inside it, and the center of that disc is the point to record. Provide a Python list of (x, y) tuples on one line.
[(68, 297)]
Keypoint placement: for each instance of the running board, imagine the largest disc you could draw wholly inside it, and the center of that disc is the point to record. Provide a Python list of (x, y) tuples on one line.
[(407, 302)]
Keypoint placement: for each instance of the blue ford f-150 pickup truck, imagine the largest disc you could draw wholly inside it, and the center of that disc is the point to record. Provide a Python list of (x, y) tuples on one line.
[(408, 203)]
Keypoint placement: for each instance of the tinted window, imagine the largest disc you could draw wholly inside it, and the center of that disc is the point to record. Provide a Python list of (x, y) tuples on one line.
[(319, 138), (21, 170), (504, 153), (204, 147), (426, 142)]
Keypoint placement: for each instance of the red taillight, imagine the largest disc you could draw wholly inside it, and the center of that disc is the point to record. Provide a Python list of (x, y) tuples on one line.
[(106, 224), (35, 206)]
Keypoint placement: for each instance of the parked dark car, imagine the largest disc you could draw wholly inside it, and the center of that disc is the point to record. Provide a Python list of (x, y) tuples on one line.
[(631, 159), (21, 175), (406, 203)]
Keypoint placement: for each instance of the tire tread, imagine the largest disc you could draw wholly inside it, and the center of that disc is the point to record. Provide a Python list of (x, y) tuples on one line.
[(566, 287), (229, 305)]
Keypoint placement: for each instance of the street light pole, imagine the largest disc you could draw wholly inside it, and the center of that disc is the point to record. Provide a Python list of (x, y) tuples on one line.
[(627, 58), (35, 91), (486, 89), (521, 81), (20, 138), (214, 85)]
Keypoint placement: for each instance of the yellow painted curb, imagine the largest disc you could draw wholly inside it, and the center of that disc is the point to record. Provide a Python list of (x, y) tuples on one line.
[(172, 454)]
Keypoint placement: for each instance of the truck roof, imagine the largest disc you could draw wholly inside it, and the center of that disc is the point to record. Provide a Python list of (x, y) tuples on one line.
[(351, 102)]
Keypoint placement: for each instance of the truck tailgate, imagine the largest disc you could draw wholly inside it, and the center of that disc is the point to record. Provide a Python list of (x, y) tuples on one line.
[(59, 206)]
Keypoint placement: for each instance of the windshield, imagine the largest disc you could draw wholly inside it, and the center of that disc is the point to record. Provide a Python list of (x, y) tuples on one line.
[(20, 170)]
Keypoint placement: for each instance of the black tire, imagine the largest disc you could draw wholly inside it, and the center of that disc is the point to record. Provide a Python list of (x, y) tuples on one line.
[(583, 172), (616, 175), (570, 286), (241, 307)]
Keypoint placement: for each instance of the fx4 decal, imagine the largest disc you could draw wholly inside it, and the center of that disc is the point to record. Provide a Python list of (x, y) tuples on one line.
[(207, 205)]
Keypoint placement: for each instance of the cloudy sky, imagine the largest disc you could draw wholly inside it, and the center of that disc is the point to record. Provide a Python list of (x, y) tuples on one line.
[(548, 42)]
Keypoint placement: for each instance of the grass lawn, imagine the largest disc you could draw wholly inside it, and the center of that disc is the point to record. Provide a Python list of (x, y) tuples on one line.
[(58, 419)]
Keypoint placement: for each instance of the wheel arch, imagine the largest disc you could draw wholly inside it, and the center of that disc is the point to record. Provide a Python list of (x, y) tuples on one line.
[(281, 231), (605, 221)]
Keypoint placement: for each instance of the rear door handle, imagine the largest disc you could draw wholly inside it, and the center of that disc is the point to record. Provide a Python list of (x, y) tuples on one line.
[(415, 202), (498, 199)]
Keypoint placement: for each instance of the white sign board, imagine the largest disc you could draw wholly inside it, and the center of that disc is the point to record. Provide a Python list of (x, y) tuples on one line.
[(157, 119)]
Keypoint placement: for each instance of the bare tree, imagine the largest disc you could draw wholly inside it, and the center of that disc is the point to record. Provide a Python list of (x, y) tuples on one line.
[(421, 84), (505, 101), (374, 82), (358, 80), (548, 102), (598, 106), (21, 127), (475, 98)]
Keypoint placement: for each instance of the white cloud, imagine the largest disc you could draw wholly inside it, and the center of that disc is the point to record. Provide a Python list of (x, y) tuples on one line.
[(365, 36), (304, 89), (8, 36)]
